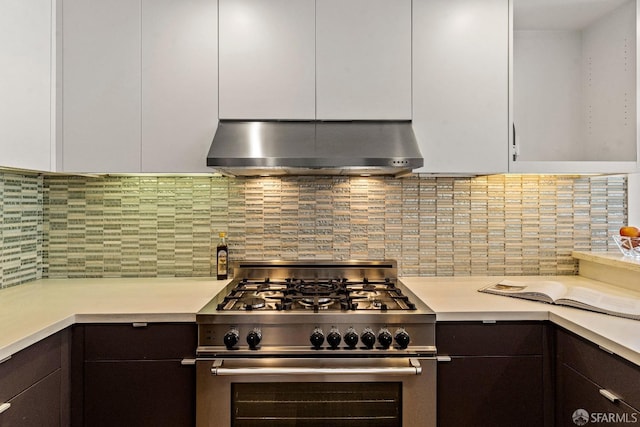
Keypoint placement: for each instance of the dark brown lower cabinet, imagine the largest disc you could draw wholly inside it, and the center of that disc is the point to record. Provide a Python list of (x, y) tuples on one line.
[(581, 397), (490, 391), (134, 376), (34, 386), (139, 393), (594, 384), (37, 406), (499, 374)]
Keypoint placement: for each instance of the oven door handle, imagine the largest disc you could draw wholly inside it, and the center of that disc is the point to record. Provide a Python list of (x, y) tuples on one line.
[(414, 368)]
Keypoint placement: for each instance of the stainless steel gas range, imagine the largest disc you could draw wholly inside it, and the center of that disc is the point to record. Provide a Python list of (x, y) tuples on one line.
[(317, 343)]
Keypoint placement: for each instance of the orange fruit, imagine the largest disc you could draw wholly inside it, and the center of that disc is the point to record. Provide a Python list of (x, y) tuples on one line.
[(630, 231)]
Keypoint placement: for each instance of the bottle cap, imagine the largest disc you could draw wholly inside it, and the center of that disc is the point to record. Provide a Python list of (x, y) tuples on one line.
[(222, 234)]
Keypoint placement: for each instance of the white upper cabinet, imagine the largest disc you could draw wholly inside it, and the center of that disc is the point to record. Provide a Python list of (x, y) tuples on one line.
[(139, 85), (267, 59), (101, 100), (26, 86), (308, 59), (574, 79), (363, 50), (460, 85), (179, 84)]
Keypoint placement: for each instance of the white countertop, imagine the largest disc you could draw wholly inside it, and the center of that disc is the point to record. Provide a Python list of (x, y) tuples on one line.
[(458, 299), (33, 311), (611, 259)]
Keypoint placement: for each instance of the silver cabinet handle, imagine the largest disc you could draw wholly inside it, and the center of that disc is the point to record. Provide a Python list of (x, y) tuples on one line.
[(610, 396), (139, 324), (413, 369), (443, 358), (516, 150), (605, 349), (186, 362), (4, 407)]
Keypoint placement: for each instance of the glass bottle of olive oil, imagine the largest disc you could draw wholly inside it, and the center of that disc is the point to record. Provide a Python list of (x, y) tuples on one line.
[(222, 257)]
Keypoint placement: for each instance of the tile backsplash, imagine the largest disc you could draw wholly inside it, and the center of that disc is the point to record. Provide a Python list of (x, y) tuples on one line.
[(62, 226), (21, 228), (167, 226)]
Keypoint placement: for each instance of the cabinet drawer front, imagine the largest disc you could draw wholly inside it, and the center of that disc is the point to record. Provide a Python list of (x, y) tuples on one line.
[(608, 371), (489, 339), (577, 392), (491, 391), (28, 366), (38, 406), (155, 341), (139, 393)]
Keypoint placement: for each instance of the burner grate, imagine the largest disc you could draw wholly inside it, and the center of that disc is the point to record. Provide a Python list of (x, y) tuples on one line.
[(315, 294)]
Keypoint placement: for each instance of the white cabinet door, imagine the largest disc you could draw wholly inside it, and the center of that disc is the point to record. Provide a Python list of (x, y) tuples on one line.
[(574, 79), (267, 59), (101, 86), (179, 84), (363, 54), (460, 84), (26, 84)]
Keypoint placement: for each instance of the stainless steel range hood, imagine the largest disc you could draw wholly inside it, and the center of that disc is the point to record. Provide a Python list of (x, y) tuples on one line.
[(254, 148)]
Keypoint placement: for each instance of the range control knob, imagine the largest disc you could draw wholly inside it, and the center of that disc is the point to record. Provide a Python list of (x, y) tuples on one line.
[(334, 338), (368, 338), (231, 338), (384, 338), (253, 338), (351, 338), (402, 338), (317, 338)]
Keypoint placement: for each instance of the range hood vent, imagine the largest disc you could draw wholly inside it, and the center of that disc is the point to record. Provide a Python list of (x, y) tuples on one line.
[(258, 148)]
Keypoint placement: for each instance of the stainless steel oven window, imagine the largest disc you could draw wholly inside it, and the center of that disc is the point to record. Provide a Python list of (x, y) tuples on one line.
[(368, 404)]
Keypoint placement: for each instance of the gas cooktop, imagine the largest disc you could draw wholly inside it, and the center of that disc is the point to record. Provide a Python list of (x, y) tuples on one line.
[(283, 306), (316, 294)]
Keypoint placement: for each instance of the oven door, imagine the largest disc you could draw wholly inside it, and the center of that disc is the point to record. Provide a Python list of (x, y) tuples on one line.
[(323, 392)]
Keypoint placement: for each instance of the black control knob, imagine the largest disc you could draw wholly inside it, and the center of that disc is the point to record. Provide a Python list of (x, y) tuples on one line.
[(317, 338), (231, 338), (368, 338), (334, 338), (351, 338), (384, 338), (402, 338), (253, 338)]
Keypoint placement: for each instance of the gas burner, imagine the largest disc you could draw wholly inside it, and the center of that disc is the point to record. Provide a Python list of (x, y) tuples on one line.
[(367, 286), (270, 294), (316, 288), (253, 303), (376, 304), (320, 302), (365, 293)]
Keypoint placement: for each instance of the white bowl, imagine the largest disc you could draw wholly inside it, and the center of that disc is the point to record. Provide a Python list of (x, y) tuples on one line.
[(629, 246)]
